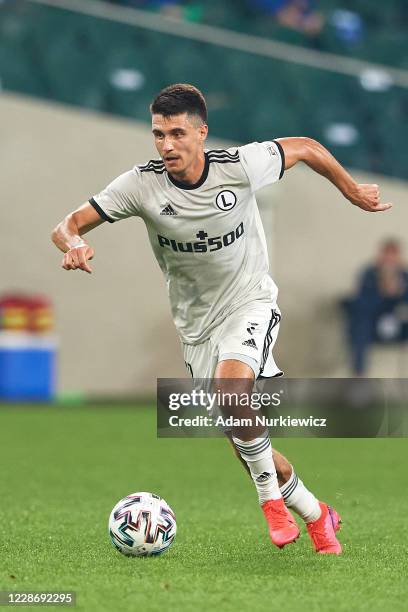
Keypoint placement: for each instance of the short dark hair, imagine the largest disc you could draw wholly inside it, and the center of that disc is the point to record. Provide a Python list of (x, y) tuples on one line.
[(180, 98)]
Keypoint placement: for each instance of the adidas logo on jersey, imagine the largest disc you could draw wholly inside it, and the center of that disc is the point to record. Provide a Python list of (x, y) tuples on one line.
[(168, 210), (251, 342)]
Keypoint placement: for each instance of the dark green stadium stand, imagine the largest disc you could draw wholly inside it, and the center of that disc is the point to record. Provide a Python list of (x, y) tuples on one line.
[(72, 58), (384, 23)]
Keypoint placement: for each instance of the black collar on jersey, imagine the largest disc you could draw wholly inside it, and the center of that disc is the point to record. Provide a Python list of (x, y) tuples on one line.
[(200, 181)]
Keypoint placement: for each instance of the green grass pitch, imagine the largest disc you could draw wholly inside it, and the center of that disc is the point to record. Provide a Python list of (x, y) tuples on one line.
[(63, 468)]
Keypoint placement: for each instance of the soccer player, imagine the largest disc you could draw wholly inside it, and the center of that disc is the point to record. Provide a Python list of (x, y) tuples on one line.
[(205, 230)]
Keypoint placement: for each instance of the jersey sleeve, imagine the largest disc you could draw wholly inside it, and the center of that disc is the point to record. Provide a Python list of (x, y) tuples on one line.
[(120, 199), (263, 162)]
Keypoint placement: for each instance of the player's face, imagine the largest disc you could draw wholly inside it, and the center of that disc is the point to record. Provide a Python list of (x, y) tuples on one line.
[(179, 139)]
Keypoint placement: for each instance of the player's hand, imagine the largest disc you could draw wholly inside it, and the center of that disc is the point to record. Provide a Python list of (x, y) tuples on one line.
[(367, 197), (77, 258)]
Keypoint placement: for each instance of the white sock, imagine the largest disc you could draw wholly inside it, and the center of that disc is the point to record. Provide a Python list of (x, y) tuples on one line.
[(300, 499), (257, 454)]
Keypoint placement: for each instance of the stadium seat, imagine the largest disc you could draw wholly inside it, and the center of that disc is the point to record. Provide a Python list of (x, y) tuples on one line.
[(117, 68)]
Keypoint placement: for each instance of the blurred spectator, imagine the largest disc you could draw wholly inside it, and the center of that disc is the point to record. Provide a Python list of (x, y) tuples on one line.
[(294, 14), (379, 310), (348, 26)]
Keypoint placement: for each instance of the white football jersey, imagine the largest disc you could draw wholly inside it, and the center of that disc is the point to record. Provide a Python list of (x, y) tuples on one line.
[(207, 237)]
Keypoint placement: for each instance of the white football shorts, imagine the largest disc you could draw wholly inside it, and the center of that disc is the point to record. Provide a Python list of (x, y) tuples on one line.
[(248, 335)]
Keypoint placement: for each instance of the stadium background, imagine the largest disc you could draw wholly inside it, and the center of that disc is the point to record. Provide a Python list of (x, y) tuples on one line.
[(58, 152), (77, 78)]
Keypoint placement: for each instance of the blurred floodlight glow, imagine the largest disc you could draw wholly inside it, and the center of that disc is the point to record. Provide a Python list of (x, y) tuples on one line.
[(375, 79), (342, 134), (127, 79)]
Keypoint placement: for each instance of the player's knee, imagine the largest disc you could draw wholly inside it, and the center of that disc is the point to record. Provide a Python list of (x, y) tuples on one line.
[(234, 369)]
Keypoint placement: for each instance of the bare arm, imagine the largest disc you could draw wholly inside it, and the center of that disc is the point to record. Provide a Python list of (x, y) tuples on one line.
[(67, 236), (320, 160)]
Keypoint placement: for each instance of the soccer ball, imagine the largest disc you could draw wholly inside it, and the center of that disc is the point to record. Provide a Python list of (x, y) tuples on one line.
[(142, 525)]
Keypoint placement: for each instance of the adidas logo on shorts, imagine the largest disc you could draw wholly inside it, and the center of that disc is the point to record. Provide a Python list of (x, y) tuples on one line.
[(251, 342)]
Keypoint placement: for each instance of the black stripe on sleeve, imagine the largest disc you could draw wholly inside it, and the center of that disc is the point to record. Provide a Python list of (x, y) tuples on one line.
[(282, 154), (100, 212)]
